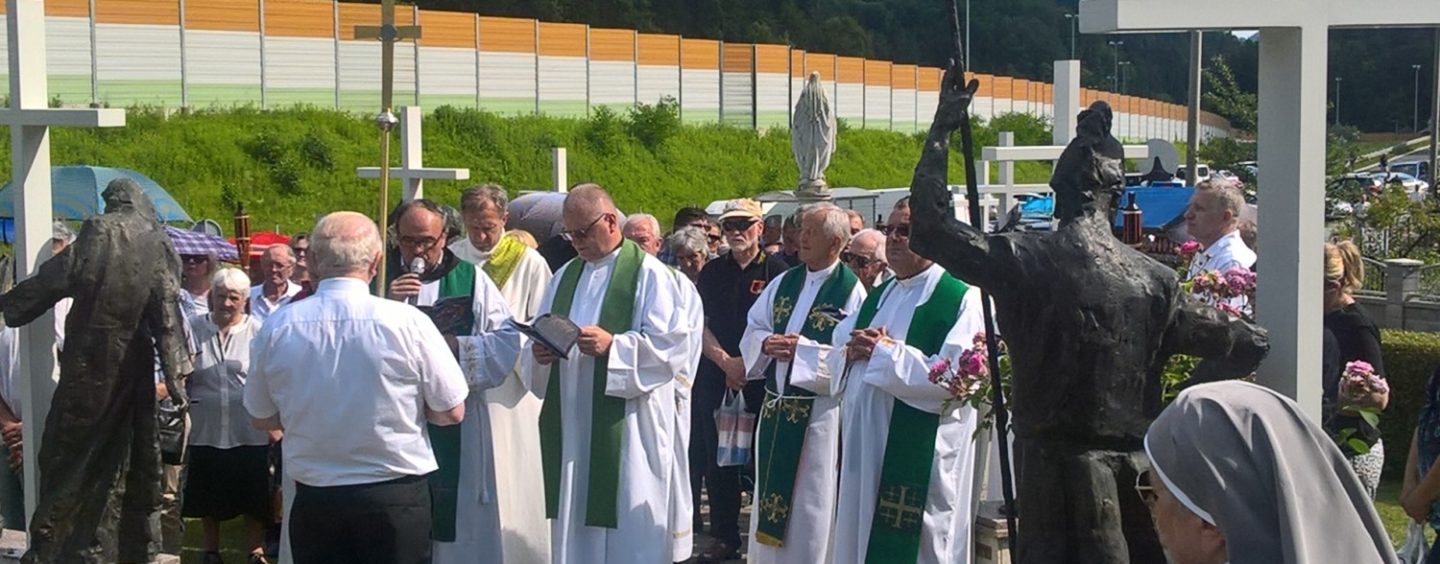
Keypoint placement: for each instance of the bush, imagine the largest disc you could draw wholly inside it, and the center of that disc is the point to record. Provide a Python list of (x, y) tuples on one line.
[(1410, 358), (289, 166)]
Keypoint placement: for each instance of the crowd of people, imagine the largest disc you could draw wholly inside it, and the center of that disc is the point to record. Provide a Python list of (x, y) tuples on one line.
[(428, 426)]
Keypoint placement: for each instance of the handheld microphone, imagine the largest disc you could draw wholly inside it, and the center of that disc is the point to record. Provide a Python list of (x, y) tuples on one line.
[(417, 266)]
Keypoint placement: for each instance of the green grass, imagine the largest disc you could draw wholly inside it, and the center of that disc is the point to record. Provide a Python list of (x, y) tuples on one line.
[(232, 542), (289, 166), (1387, 504)]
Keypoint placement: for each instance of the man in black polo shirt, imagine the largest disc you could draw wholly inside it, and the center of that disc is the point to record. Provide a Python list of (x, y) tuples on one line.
[(728, 287)]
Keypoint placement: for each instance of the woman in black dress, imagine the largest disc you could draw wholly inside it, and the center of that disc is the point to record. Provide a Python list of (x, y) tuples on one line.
[(1355, 337)]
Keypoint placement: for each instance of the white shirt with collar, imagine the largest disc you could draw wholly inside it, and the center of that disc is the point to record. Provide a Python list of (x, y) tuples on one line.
[(1226, 252), (261, 308), (350, 376)]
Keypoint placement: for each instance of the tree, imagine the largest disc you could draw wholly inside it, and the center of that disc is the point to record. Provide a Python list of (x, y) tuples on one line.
[(1225, 97)]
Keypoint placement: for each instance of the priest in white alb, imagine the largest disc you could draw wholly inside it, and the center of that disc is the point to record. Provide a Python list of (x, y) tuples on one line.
[(608, 421), (466, 519), (521, 274), (908, 458), (786, 340)]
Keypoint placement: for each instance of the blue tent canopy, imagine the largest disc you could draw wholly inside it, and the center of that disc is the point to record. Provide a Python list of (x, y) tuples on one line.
[(1159, 206), (76, 190)]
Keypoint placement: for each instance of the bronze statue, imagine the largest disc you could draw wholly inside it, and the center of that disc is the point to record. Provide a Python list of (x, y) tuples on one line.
[(1090, 324), (99, 459)]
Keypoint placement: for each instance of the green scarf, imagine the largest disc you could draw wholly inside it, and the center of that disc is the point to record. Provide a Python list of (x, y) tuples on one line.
[(445, 440), (910, 441), (607, 414), (503, 259), (783, 422)]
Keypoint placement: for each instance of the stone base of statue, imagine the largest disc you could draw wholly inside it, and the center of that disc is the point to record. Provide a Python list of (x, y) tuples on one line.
[(13, 543), (992, 535), (813, 190)]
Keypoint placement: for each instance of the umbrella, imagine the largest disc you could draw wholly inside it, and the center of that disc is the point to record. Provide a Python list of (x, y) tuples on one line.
[(76, 192), (262, 240), (539, 214), (197, 243)]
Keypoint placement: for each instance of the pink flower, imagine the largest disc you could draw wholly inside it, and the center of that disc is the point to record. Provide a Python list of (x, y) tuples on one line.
[(1188, 250), (1230, 309), (939, 369), (1360, 381), (1239, 281), (972, 363)]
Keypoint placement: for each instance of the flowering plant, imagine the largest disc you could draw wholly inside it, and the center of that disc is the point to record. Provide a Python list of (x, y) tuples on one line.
[(1187, 252), (1361, 388), (967, 377), (1231, 291)]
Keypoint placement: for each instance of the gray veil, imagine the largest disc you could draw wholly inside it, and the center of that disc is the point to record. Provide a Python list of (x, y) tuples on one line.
[(1246, 460)]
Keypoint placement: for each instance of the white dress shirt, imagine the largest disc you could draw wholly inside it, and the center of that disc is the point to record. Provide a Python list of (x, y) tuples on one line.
[(1226, 252), (217, 387), (261, 308), (350, 376)]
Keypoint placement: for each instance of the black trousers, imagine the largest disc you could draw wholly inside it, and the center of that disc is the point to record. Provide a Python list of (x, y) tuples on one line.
[(722, 483), (380, 523)]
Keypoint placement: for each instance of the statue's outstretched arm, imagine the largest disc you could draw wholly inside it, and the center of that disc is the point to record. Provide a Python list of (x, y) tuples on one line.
[(935, 233), (1230, 347), (34, 296)]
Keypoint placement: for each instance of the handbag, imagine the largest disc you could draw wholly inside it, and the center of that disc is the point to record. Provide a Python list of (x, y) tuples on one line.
[(173, 428), (734, 425), (1414, 549)]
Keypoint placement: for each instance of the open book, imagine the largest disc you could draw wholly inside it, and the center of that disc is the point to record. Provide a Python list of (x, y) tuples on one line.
[(453, 316), (557, 333)]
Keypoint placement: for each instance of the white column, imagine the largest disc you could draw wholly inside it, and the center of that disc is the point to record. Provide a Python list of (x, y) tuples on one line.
[(559, 175), (1066, 101), (411, 149), (1292, 145), (1192, 138)]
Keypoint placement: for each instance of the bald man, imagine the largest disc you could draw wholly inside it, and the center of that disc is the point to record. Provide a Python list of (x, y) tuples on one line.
[(276, 265), (609, 417), (866, 256)]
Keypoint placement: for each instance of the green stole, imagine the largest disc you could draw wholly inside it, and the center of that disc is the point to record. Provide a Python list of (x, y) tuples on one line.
[(445, 440), (503, 259), (910, 441), (784, 421), (607, 414)]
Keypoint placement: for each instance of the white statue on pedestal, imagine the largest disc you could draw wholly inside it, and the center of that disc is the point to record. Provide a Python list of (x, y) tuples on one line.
[(812, 138)]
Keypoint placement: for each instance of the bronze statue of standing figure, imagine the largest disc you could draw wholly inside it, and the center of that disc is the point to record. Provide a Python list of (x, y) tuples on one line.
[(1090, 324), (99, 457)]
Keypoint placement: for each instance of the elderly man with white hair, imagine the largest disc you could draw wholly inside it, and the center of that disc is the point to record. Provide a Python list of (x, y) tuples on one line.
[(352, 380), (644, 230), (787, 337), (866, 256), (276, 265)]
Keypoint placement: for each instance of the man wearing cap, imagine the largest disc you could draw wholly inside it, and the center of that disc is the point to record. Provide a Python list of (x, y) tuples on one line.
[(728, 287)]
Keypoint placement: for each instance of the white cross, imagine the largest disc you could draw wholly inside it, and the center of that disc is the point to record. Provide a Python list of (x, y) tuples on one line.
[(411, 171), (30, 120), (1293, 65)]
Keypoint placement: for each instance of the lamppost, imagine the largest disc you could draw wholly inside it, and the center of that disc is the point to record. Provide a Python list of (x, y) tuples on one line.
[(1337, 100), (1415, 118), (1116, 45), (1074, 23), (1124, 74)]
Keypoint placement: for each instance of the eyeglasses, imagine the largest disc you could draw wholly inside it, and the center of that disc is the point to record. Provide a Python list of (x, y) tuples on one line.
[(195, 259), (581, 233), (898, 230), (1146, 491), (419, 242), (300, 251), (856, 260), (736, 224)]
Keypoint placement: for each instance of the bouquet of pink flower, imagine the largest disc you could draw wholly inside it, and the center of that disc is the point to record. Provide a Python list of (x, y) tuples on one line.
[(1360, 382), (1188, 250), (967, 377), (1224, 290)]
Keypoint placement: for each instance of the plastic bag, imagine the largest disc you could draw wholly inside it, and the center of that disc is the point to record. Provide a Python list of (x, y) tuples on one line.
[(735, 426), (1414, 549)]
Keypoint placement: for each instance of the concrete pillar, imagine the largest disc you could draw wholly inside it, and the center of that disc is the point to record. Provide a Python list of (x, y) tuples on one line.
[(559, 175), (1192, 137), (1066, 101), (1402, 278)]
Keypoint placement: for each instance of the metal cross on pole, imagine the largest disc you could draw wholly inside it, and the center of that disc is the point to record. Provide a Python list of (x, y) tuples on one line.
[(388, 33)]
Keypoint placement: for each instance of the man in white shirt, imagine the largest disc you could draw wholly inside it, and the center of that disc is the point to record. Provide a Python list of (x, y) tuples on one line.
[(607, 425), (352, 379), (644, 230), (522, 275), (277, 264), (797, 451), (1213, 219)]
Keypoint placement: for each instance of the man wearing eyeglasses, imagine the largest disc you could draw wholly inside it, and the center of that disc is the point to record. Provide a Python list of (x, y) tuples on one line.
[(466, 519), (276, 265), (609, 414), (866, 256), (896, 418), (788, 332)]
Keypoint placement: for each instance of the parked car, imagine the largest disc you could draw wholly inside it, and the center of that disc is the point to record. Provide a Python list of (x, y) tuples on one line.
[(1418, 169), (1418, 189), (1346, 194), (1203, 174)]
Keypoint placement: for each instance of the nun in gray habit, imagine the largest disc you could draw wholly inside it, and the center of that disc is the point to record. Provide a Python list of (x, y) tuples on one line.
[(1240, 475)]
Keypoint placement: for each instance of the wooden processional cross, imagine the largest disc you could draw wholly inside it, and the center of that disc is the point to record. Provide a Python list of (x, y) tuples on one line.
[(1293, 64), (388, 33), (30, 119)]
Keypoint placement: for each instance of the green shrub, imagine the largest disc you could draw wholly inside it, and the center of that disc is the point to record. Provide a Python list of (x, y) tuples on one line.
[(289, 166), (1410, 358)]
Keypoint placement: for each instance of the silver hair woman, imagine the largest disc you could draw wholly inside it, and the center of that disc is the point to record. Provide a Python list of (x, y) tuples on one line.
[(229, 473), (1240, 475), (691, 248)]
